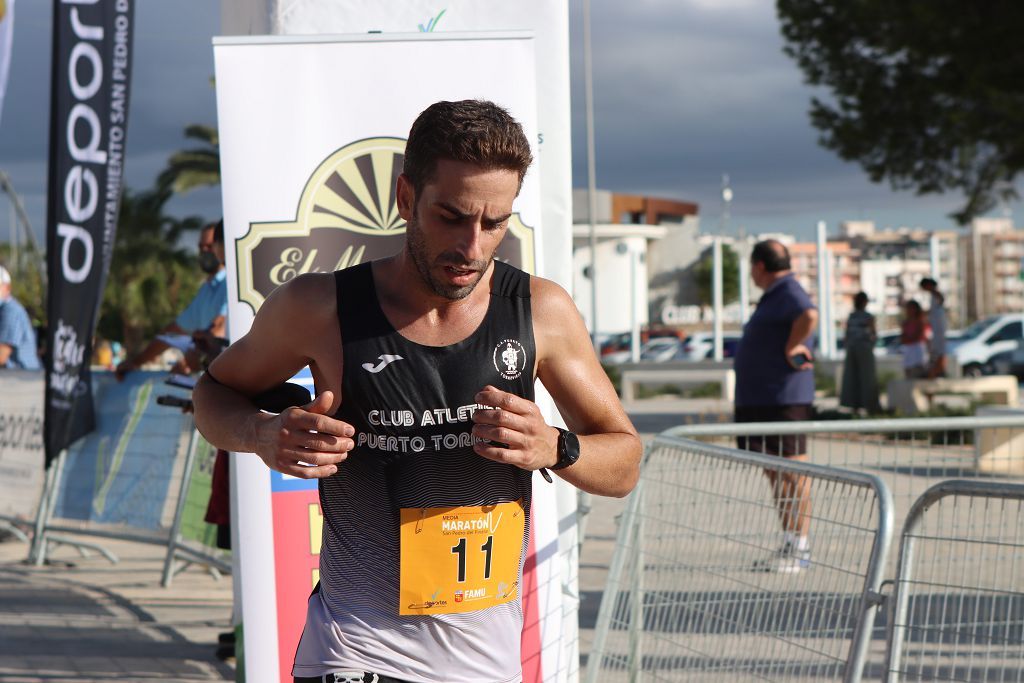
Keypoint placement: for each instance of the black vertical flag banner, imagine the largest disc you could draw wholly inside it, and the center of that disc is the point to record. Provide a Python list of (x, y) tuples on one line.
[(88, 116)]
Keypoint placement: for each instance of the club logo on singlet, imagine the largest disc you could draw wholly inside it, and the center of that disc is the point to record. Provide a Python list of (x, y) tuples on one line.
[(509, 359)]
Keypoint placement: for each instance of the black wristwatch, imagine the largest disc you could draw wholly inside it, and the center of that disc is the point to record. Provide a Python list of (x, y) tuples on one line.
[(568, 449)]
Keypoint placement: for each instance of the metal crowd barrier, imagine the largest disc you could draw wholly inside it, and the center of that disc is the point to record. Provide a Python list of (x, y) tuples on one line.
[(180, 553), (688, 598), (909, 455), (957, 614), (958, 607)]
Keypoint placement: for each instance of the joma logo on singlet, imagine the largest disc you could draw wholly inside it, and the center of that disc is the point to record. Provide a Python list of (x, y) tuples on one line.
[(385, 360)]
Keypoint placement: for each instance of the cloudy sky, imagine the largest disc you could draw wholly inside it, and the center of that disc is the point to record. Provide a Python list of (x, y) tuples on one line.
[(685, 90)]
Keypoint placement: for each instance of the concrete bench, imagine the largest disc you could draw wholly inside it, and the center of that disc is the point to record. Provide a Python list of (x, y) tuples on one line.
[(911, 396), (631, 377), (999, 450)]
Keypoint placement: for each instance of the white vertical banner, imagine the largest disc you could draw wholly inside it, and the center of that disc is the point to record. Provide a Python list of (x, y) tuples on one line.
[(6, 41), (548, 20), (297, 116)]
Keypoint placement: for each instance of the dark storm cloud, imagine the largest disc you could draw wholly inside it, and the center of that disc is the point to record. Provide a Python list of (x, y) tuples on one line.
[(686, 90), (172, 67)]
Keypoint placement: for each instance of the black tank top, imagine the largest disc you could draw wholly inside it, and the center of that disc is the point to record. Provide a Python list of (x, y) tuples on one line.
[(411, 406)]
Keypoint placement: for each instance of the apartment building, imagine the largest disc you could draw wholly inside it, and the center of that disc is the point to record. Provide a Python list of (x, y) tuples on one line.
[(994, 282), (893, 262)]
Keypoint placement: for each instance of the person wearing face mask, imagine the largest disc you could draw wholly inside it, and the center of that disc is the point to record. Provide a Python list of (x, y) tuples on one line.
[(205, 318), (17, 338)]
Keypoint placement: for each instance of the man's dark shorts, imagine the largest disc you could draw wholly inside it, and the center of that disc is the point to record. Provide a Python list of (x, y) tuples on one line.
[(772, 444)]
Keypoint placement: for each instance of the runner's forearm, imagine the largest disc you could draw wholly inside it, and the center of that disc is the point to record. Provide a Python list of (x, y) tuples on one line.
[(226, 418), (609, 464)]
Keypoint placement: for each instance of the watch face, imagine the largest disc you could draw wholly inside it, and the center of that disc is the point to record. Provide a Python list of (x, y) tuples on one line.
[(568, 449)]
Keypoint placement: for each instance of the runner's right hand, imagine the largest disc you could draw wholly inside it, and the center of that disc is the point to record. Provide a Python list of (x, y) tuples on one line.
[(305, 435)]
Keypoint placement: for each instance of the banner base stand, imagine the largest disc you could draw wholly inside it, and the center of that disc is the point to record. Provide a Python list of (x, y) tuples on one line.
[(11, 527), (42, 538), (83, 547)]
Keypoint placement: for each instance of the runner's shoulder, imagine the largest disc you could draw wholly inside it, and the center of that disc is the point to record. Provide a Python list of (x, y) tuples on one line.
[(309, 297), (555, 316), (549, 298)]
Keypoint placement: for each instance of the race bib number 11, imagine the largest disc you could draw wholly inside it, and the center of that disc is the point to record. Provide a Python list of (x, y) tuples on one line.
[(460, 559)]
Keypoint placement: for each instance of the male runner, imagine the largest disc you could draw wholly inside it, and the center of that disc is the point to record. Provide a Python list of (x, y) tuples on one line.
[(424, 433)]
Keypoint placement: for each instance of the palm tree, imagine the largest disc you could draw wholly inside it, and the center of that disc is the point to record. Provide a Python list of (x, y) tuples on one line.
[(153, 272), (189, 169)]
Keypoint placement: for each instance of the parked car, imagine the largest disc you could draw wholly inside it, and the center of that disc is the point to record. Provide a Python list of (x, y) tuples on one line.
[(888, 343), (976, 349), (701, 345), (615, 347), (1010, 363), (660, 349), (615, 343), (1003, 363)]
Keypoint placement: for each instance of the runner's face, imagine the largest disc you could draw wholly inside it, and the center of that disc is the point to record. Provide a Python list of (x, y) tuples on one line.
[(456, 224)]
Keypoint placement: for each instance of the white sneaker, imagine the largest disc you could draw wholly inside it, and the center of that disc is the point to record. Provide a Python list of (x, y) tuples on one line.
[(786, 560)]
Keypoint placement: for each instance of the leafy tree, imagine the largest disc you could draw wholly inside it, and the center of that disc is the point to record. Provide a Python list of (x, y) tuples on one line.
[(704, 272), (925, 93), (189, 169), (153, 272)]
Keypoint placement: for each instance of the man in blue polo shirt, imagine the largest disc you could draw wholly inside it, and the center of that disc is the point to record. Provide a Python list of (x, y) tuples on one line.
[(205, 318), (775, 382), (17, 338)]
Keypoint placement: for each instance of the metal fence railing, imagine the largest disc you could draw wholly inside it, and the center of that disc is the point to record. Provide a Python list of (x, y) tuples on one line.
[(692, 531), (690, 596), (909, 455), (958, 607)]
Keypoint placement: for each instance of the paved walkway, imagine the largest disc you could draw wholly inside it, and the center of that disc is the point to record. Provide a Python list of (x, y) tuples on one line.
[(83, 620)]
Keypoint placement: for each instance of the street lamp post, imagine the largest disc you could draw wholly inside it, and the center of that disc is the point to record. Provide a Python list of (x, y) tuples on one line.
[(588, 80), (717, 270)]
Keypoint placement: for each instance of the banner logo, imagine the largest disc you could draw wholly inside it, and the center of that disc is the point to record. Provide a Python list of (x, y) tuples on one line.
[(89, 119), (347, 214)]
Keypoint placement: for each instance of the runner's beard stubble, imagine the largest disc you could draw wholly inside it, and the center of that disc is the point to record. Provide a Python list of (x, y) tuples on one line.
[(417, 247)]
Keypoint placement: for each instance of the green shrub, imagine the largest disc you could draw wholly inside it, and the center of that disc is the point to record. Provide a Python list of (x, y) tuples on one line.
[(825, 382)]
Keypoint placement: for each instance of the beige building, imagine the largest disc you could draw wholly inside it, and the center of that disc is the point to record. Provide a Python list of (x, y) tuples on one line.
[(893, 262), (994, 281), (843, 273)]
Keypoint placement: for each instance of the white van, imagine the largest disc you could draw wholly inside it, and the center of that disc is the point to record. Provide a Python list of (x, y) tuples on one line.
[(983, 340)]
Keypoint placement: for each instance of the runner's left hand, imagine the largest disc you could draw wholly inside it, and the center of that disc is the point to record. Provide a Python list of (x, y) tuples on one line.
[(516, 422)]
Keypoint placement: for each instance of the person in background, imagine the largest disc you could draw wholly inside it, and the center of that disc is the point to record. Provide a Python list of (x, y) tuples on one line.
[(102, 354), (914, 336), (17, 337), (937, 321), (860, 381), (205, 318), (775, 383)]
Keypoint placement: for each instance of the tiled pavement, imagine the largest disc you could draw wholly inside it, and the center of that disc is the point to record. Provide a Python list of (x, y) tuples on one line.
[(82, 619)]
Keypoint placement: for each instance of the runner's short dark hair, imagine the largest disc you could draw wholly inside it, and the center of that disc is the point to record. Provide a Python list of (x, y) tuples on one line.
[(927, 282), (472, 131), (772, 254), (218, 232)]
